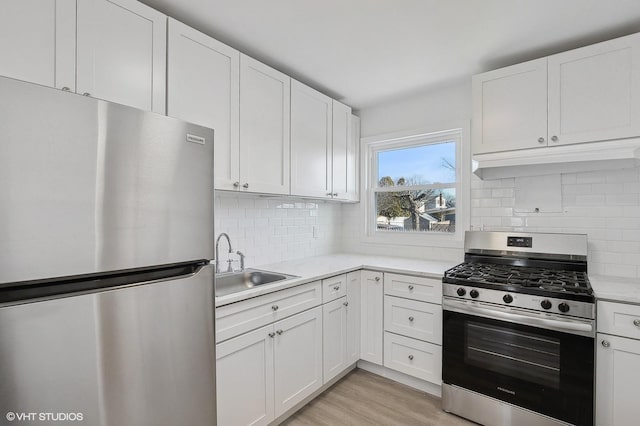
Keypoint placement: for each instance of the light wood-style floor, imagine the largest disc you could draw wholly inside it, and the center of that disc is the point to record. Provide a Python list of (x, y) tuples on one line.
[(363, 398)]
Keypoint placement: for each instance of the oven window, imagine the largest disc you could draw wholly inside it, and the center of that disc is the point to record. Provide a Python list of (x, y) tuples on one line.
[(519, 354)]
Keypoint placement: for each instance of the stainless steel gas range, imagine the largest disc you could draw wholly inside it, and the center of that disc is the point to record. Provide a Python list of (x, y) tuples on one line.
[(518, 330)]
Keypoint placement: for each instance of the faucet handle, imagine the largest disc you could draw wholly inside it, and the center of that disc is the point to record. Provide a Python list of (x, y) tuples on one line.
[(230, 262), (242, 256)]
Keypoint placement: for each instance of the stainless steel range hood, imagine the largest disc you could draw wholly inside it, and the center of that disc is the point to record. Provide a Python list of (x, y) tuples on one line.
[(618, 154)]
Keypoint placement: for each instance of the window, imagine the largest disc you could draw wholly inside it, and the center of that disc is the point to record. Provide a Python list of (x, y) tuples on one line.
[(414, 184)]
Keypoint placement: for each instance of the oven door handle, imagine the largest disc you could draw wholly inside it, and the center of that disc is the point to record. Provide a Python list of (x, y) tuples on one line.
[(570, 326)]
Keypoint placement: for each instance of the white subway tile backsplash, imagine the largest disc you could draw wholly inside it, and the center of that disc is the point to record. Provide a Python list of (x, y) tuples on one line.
[(605, 205), (269, 230)]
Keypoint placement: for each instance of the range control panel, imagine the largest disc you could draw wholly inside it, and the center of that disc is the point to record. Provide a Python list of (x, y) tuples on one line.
[(520, 242)]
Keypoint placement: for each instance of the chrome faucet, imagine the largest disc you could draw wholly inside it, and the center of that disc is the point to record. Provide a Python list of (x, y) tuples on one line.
[(229, 269)]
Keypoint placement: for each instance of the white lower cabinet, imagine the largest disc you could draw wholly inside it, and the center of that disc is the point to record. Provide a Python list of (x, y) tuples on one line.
[(298, 358), (617, 364), (413, 357), (334, 319), (353, 317), (263, 373), (371, 317), (245, 379)]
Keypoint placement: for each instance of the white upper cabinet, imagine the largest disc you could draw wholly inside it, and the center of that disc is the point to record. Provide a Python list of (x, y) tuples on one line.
[(203, 87), (583, 95), (38, 42), (353, 161), (264, 128), (311, 136), (510, 108), (342, 152), (121, 53), (594, 92)]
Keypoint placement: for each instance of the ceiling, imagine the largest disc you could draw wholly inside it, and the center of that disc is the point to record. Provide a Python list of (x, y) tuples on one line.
[(366, 52)]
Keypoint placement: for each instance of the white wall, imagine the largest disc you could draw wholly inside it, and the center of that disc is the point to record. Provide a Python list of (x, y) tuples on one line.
[(431, 109), (269, 230)]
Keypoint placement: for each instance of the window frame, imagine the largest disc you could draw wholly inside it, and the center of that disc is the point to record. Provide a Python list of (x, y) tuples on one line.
[(459, 132)]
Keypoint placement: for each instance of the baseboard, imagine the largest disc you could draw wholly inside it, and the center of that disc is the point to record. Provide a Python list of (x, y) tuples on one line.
[(399, 377), (311, 397)]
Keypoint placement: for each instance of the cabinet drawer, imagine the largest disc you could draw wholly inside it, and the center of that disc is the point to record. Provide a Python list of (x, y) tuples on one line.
[(238, 318), (413, 357), (334, 288), (411, 318), (416, 288), (619, 319)]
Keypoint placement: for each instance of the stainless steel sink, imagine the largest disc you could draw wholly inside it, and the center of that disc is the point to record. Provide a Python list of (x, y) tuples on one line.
[(233, 282)]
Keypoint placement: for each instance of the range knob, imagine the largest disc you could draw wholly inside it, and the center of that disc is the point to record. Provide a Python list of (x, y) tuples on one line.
[(474, 293), (545, 304), (507, 298), (461, 291), (563, 307)]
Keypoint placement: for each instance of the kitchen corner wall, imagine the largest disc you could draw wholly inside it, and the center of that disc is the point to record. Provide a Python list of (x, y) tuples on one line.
[(269, 230), (605, 205)]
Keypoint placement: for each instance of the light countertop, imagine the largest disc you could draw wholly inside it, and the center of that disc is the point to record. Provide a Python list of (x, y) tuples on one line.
[(319, 267), (616, 289)]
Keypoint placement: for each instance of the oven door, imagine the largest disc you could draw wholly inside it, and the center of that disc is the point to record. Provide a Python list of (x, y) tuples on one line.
[(532, 361)]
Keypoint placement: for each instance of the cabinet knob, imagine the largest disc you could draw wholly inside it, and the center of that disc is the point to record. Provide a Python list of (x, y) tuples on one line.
[(329, 194), (410, 357), (411, 319), (274, 307), (66, 89), (86, 94), (236, 184), (245, 186), (410, 287), (541, 140), (346, 303), (272, 334), (554, 138), (377, 278), (335, 194), (336, 287), (636, 322), (606, 344), (279, 332)]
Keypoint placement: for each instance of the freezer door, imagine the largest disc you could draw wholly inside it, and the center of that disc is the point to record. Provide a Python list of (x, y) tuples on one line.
[(88, 186), (141, 355)]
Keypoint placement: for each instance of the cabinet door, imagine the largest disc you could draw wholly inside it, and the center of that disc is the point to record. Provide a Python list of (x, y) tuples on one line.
[(203, 87), (510, 108), (371, 318), (265, 108), (244, 375), (617, 378), (298, 358), (38, 42), (353, 161), (334, 338), (311, 135), (121, 51), (353, 317), (594, 92), (341, 135)]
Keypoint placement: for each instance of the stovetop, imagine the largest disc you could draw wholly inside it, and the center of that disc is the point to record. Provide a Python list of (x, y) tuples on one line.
[(552, 282)]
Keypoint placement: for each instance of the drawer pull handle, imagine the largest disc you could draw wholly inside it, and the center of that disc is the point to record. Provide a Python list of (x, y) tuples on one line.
[(279, 332), (275, 307), (272, 334), (410, 357), (336, 287), (606, 344), (636, 322), (410, 287), (346, 303), (377, 278), (411, 319)]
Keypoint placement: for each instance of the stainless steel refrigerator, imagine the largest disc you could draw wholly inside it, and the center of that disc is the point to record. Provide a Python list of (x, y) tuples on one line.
[(106, 287)]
